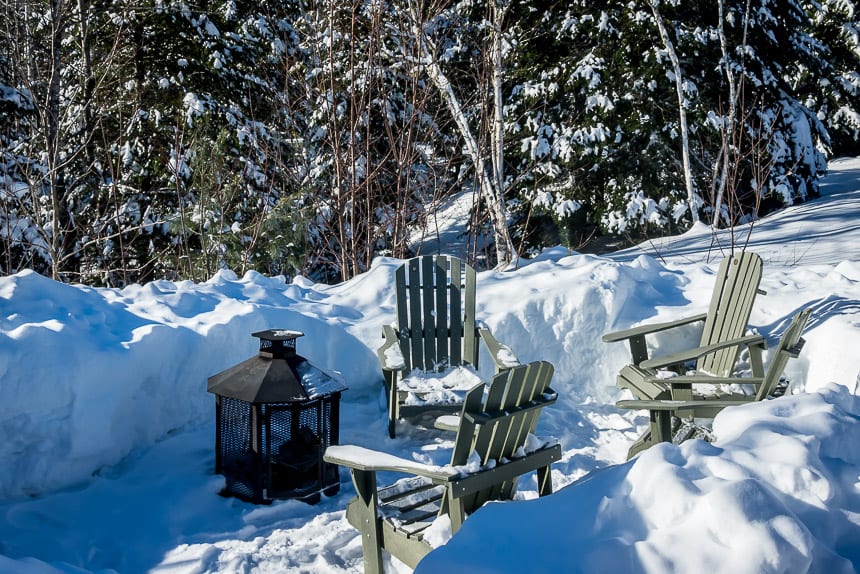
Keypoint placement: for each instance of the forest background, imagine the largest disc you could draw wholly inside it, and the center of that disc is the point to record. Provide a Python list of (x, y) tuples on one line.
[(168, 139)]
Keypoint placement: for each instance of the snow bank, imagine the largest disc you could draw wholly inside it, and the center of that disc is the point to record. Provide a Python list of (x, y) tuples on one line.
[(90, 374), (777, 492)]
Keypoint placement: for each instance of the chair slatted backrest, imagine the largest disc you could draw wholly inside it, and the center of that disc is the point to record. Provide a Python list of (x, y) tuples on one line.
[(436, 312), (736, 286), (508, 412), (789, 347)]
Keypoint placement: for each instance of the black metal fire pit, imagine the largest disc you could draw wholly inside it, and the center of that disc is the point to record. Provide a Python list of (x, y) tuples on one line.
[(276, 413)]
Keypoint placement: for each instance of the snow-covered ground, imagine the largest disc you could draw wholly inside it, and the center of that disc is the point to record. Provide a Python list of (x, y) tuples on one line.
[(107, 431)]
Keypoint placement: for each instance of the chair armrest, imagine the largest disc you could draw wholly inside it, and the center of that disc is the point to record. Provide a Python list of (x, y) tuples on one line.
[(366, 460), (671, 405), (447, 423), (390, 356), (502, 355), (659, 405), (648, 329), (695, 353), (697, 379), (502, 472)]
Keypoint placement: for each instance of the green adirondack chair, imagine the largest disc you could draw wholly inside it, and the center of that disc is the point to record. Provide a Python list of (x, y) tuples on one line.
[(707, 405), (436, 331), (737, 283), (495, 423)]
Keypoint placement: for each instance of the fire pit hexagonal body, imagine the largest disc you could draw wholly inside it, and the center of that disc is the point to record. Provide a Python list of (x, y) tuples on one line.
[(275, 414)]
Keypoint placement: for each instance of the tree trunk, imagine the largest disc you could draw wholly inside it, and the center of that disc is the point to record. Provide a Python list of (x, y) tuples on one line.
[(89, 85), (489, 190), (498, 132), (682, 112), (729, 148), (60, 218)]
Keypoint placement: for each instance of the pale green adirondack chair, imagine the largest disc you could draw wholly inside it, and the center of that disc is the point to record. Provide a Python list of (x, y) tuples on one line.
[(436, 331), (707, 405), (737, 283), (495, 423)]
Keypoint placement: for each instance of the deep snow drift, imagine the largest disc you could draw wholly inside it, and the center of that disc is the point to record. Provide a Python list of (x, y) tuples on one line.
[(107, 451)]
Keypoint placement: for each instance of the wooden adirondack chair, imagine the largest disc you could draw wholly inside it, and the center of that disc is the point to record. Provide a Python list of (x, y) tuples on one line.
[(436, 331), (495, 423), (709, 404), (737, 282)]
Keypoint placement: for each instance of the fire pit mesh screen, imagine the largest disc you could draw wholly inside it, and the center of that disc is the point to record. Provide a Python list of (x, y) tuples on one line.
[(235, 445), (294, 445), (292, 440), (267, 345)]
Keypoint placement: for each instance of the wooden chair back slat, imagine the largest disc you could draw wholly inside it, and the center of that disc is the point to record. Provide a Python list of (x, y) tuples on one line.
[(466, 432), (456, 314), (415, 325), (403, 317), (428, 316), (467, 314), (444, 347)]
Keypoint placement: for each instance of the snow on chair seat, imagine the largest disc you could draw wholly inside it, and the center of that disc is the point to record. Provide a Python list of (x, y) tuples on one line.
[(436, 331)]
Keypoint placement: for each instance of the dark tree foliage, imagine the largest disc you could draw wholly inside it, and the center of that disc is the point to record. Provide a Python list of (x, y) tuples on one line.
[(168, 139)]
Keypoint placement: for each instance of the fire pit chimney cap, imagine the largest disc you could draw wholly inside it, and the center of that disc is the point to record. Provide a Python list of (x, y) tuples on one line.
[(278, 335)]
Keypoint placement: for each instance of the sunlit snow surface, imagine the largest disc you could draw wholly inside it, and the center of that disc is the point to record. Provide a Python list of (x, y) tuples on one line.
[(107, 450)]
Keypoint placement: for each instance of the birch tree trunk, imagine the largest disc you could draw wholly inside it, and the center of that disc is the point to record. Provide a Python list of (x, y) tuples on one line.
[(491, 188), (682, 113)]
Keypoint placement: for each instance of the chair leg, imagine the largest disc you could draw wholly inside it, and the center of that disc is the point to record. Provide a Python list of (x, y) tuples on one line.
[(365, 507), (642, 443), (682, 392), (544, 480), (456, 511), (393, 414), (661, 426)]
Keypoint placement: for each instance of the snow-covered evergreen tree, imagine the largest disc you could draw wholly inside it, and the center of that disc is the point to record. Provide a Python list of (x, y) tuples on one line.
[(173, 139)]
